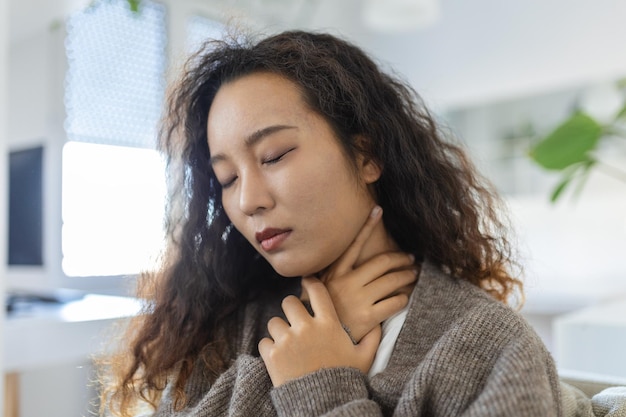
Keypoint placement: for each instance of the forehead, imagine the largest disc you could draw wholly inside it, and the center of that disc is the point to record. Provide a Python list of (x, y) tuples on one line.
[(250, 106), (245, 104)]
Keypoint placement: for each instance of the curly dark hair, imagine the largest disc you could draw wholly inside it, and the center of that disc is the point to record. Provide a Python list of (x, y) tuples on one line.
[(436, 205)]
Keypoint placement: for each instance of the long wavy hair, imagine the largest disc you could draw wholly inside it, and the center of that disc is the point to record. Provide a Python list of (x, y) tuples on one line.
[(435, 204)]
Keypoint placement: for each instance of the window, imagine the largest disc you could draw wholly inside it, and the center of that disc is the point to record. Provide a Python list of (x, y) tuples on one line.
[(112, 178), (112, 208)]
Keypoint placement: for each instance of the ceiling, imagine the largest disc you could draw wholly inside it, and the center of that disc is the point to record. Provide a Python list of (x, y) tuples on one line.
[(31, 16), (475, 51)]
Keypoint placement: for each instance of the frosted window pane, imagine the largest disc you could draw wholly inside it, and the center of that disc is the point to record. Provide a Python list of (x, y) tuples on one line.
[(115, 80), (113, 208)]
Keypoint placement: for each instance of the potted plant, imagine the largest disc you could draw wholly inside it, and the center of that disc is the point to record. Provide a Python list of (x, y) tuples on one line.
[(572, 147)]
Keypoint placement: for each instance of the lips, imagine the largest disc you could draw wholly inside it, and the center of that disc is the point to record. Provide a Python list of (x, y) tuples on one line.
[(270, 239)]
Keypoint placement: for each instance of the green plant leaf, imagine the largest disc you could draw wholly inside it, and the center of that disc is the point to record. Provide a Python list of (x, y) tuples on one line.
[(569, 144), (621, 114), (134, 5), (579, 173), (584, 172), (558, 190)]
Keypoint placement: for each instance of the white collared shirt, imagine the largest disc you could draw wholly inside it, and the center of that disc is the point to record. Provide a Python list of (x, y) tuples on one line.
[(391, 329)]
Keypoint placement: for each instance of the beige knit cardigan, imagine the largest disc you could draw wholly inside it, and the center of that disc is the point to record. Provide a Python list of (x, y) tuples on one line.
[(459, 353)]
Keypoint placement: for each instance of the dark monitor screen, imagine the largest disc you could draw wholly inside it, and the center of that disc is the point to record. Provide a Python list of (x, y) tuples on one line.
[(26, 207)]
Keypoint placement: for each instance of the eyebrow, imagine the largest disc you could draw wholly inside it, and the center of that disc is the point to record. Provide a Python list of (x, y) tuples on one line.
[(254, 139)]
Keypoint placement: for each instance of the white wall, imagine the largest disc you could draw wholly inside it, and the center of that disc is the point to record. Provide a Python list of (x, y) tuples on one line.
[(35, 64), (64, 390), (35, 117), (29, 90), (3, 177), (487, 49)]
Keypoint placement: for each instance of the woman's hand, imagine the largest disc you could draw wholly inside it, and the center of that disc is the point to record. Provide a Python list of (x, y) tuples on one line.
[(367, 295), (309, 343)]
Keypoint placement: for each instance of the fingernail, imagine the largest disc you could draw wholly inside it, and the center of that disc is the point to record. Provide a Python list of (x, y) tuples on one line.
[(376, 211), (412, 257)]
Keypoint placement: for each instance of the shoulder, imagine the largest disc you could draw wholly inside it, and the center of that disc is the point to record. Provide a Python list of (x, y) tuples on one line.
[(464, 344), (461, 304), (461, 324)]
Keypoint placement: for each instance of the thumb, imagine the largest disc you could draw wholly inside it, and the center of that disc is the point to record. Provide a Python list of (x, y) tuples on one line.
[(304, 294), (367, 347)]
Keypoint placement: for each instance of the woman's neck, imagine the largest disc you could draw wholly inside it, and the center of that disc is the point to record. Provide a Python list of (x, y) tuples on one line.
[(380, 241)]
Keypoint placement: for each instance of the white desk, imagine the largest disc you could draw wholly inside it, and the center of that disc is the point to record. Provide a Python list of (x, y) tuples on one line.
[(573, 254), (50, 334), (593, 339)]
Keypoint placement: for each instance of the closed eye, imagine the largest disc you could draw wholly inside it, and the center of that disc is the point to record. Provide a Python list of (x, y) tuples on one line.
[(273, 160), (228, 183)]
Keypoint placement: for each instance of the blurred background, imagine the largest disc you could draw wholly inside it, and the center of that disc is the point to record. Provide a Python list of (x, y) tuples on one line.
[(534, 90)]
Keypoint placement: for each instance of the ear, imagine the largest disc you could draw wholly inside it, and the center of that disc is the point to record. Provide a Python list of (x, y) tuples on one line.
[(370, 170)]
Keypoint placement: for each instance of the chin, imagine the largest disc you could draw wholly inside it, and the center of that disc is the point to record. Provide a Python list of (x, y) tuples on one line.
[(289, 269)]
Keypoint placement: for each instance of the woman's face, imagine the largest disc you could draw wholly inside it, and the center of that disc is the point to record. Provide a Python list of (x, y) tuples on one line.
[(288, 187)]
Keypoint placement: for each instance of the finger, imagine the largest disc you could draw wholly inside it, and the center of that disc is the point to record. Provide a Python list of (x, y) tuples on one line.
[(265, 346), (382, 264), (406, 290), (386, 308), (321, 303), (304, 296), (294, 310), (390, 283), (347, 260), (367, 348), (277, 327)]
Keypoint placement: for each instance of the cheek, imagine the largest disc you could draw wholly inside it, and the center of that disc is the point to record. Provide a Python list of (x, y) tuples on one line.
[(318, 189), (334, 200)]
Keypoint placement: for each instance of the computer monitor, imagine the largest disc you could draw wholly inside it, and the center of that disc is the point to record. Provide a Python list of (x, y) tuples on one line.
[(25, 237)]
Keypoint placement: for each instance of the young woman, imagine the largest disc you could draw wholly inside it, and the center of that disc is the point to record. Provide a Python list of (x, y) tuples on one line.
[(329, 253)]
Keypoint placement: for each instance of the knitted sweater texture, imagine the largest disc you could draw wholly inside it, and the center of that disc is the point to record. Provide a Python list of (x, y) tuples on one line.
[(459, 353)]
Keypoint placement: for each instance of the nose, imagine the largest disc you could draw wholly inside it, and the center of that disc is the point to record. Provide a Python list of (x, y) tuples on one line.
[(254, 194)]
